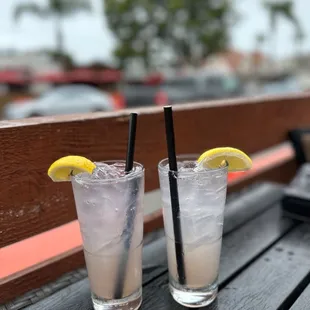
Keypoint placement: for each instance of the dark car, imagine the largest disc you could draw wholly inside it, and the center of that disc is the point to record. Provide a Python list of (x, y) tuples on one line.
[(200, 87), (183, 89), (139, 95)]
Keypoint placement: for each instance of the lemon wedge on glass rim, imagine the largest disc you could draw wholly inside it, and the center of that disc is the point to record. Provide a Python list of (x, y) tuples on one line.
[(236, 159), (62, 169)]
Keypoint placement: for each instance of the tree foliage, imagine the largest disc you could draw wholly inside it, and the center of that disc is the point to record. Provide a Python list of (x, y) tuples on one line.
[(189, 29), (56, 9), (284, 9)]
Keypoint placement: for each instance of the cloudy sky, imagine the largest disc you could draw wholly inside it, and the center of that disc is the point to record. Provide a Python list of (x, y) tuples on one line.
[(88, 38)]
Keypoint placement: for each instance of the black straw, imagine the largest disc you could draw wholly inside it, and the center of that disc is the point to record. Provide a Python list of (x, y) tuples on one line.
[(131, 209), (174, 196), (131, 141)]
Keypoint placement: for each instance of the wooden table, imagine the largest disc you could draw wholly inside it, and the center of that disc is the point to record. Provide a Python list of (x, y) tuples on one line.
[(265, 262)]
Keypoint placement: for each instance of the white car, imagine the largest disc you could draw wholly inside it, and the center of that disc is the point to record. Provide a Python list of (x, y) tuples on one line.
[(61, 100)]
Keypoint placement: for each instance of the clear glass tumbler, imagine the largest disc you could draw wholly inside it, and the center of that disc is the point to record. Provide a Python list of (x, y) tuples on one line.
[(109, 205), (194, 255)]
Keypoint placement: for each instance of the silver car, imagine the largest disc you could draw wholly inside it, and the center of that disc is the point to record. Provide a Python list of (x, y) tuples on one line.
[(61, 100)]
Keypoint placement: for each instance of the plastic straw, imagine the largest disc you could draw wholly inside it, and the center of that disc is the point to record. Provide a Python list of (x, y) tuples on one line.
[(131, 142), (131, 212), (174, 196)]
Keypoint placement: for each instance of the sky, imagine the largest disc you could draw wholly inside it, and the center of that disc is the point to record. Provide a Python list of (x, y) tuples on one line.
[(88, 38)]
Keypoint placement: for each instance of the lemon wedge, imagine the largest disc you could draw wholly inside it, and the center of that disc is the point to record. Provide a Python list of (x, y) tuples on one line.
[(235, 158), (62, 169)]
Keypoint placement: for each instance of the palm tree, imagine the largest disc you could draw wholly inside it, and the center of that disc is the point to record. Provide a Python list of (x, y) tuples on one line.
[(299, 39), (285, 9), (56, 9), (260, 40)]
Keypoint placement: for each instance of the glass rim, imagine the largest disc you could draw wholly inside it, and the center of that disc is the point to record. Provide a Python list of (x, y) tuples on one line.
[(79, 179), (162, 167)]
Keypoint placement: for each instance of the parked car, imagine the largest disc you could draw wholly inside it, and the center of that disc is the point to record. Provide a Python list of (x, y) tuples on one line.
[(139, 95), (199, 87), (282, 86), (183, 89), (61, 100)]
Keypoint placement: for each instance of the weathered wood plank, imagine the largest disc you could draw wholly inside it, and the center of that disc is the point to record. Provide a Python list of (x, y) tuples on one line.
[(250, 203), (44, 291), (269, 282), (244, 242), (240, 248), (77, 296), (49, 272), (41, 205), (303, 301)]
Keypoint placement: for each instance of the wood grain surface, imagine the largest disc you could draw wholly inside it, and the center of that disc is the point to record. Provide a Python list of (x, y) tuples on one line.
[(269, 281), (243, 246), (77, 296), (30, 203), (48, 272), (303, 302), (251, 203)]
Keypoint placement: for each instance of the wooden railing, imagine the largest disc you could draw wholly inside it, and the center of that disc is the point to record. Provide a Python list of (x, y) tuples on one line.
[(37, 217)]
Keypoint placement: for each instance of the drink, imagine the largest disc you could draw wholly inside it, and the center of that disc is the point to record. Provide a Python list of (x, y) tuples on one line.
[(109, 208), (202, 195), (202, 263), (102, 271)]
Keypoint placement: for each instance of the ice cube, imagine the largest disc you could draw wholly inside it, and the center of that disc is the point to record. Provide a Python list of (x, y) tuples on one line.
[(104, 171), (102, 228), (102, 209), (101, 217), (186, 166), (207, 227)]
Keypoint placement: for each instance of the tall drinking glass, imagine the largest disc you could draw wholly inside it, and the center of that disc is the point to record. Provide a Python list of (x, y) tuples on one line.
[(202, 195), (109, 207)]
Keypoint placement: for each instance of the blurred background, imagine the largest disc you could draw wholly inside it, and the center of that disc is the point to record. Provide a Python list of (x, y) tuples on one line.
[(75, 56)]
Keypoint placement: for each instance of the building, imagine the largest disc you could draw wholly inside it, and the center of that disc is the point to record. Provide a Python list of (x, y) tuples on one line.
[(33, 61)]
